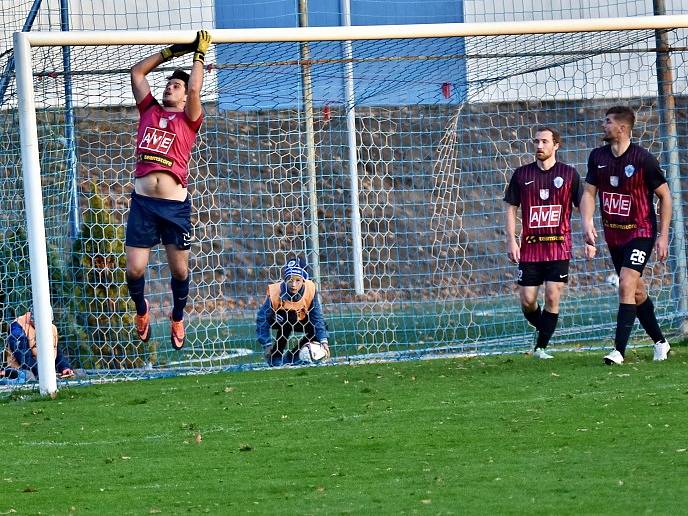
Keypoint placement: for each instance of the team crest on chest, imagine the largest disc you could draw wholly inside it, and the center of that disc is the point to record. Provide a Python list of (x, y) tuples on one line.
[(163, 123), (629, 170), (558, 181), (614, 181), (544, 193)]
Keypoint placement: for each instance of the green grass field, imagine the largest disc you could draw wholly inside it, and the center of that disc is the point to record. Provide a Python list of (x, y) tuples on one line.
[(486, 435)]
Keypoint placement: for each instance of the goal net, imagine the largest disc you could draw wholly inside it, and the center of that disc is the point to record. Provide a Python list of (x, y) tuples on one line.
[(406, 242)]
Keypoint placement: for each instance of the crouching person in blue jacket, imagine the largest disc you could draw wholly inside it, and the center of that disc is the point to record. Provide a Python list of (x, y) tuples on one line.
[(291, 305), (21, 353)]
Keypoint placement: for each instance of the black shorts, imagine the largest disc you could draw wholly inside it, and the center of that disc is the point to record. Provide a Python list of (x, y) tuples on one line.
[(534, 274), (154, 220), (634, 255)]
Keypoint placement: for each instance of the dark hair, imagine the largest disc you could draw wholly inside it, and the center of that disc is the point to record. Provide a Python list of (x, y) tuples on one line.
[(556, 137), (624, 113), (182, 76)]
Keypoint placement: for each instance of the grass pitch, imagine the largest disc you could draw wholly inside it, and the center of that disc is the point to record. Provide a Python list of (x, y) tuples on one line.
[(486, 435)]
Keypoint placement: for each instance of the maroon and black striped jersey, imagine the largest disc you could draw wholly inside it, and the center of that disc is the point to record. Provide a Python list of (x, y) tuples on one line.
[(545, 198), (625, 186)]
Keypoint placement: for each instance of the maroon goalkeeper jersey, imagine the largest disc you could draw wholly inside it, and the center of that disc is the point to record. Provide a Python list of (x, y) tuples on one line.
[(625, 186), (545, 198), (164, 140)]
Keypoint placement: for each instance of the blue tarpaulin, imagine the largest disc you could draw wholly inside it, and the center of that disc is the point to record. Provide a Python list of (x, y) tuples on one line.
[(384, 73)]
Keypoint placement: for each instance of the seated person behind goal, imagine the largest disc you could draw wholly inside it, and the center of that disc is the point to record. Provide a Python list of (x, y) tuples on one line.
[(21, 353), (291, 305)]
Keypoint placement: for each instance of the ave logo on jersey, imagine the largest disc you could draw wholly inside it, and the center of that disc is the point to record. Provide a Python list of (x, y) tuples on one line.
[(545, 216), (616, 204), (629, 170), (157, 140)]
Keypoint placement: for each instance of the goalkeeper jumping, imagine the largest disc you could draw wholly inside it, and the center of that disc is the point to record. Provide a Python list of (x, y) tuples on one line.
[(160, 208)]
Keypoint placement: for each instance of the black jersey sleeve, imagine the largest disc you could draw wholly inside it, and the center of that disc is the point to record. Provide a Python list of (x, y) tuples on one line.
[(654, 177), (591, 177), (577, 190), (512, 194)]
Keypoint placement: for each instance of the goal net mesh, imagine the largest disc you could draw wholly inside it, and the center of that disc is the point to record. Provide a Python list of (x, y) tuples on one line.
[(440, 124)]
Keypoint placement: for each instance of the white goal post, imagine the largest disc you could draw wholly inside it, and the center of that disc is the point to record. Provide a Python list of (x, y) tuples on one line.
[(24, 42)]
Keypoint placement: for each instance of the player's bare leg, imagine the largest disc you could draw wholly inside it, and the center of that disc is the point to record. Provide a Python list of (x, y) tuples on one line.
[(529, 304)]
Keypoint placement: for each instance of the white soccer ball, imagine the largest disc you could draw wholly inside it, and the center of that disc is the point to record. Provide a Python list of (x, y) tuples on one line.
[(312, 352), (613, 280)]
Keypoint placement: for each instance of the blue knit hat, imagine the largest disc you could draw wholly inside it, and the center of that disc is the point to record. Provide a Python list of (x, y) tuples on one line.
[(295, 266)]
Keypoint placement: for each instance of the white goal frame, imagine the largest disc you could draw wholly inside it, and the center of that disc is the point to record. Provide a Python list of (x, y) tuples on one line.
[(24, 41)]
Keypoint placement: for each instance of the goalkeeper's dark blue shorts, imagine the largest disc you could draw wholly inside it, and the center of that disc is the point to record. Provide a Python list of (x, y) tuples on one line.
[(153, 220)]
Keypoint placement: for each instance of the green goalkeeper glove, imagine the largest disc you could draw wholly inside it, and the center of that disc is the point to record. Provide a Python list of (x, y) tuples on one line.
[(201, 45), (176, 50)]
